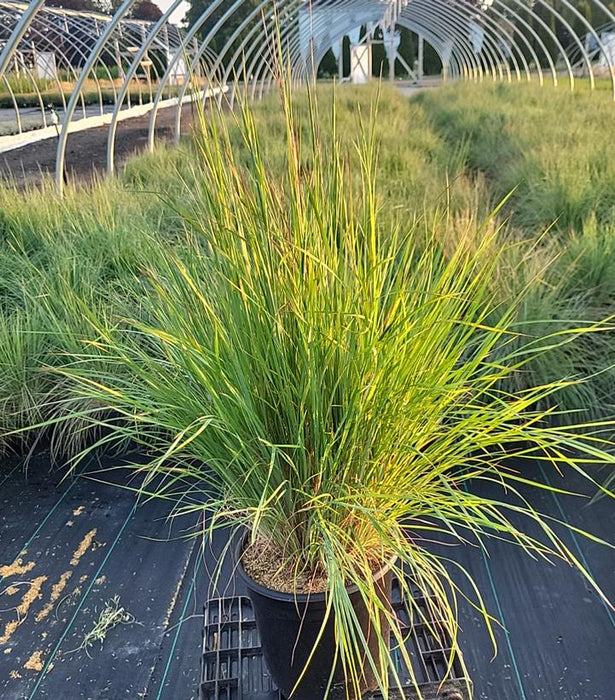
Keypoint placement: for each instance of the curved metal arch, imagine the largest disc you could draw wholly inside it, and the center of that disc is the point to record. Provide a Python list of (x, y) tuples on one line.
[(77, 45), (195, 28), (499, 58), (189, 36), (37, 22), (15, 105), (594, 52), (102, 48), (598, 41), (132, 69), (254, 41), (35, 90), (511, 40), (340, 32), (292, 46), (503, 36), (526, 42), (438, 45), (253, 47), (260, 20), (18, 33), (146, 43), (491, 57), (485, 63), (70, 108), (209, 55), (252, 16), (604, 8), (552, 36), (263, 41), (240, 52), (5, 59), (459, 59), (296, 59), (536, 36), (470, 62), (559, 17), (491, 35), (541, 43), (494, 32), (490, 60)]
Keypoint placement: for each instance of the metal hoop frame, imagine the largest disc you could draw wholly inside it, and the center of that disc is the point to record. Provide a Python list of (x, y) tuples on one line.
[(516, 41)]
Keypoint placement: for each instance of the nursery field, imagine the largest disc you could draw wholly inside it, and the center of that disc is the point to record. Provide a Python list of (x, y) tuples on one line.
[(464, 170), (458, 162), (86, 153)]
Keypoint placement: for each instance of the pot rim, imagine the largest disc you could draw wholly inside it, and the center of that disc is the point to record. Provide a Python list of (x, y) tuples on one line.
[(295, 597)]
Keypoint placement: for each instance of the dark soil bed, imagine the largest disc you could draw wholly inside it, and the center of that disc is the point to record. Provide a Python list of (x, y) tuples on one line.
[(86, 151)]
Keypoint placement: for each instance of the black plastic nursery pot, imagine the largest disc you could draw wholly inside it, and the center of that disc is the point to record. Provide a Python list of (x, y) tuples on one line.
[(289, 625)]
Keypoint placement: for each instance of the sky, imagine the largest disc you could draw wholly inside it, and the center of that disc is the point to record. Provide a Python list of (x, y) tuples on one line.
[(178, 15)]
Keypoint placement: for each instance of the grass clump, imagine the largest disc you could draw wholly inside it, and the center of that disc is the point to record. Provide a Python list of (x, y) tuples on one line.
[(445, 159), (549, 153), (332, 383), (60, 261)]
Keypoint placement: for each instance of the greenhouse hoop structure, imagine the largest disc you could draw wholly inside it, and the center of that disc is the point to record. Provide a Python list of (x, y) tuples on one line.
[(63, 71)]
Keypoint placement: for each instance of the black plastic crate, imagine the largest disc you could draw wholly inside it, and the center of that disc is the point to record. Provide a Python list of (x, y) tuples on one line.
[(233, 667)]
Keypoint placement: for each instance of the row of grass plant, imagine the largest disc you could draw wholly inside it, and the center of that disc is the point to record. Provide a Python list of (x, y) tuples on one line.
[(550, 147), (56, 99), (58, 259), (550, 152)]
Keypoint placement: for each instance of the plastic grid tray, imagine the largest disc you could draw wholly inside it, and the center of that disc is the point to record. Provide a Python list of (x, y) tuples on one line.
[(233, 667), (426, 642)]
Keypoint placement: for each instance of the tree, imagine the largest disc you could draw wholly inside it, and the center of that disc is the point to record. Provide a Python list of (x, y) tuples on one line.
[(147, 10), (142, 9), (77, 5), (198, 7)]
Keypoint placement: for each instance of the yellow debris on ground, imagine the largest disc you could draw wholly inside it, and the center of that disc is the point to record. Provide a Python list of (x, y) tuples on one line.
[(35, 662), (83, 547)]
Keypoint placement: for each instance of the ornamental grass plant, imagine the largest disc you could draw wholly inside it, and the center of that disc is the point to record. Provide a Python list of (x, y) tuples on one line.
[(547, 144), (330, 384), (59, 261), (547, 151)]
